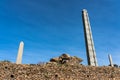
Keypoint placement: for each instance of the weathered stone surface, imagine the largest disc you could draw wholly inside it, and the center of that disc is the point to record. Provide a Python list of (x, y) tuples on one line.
[(20, 53), (66, 59), (90, 49)]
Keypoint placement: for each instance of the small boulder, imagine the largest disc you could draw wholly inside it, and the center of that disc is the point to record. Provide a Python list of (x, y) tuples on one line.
[(66, 58)]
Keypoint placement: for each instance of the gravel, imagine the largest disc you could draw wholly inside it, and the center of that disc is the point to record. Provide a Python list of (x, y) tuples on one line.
[(55, 71)]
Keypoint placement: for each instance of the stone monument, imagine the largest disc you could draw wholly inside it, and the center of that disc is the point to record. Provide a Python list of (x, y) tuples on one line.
[(110, 60), (90, 50), (20, 52)]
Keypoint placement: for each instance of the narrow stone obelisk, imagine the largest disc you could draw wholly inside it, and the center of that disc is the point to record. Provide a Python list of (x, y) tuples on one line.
[(110, 60), (90, 50), (20, 52)]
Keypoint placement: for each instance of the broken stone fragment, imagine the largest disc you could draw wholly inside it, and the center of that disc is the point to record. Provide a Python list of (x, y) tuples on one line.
[(66, 58), (54, 60)]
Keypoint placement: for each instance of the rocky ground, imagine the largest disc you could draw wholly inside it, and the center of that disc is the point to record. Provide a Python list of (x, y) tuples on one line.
[(57, 69)]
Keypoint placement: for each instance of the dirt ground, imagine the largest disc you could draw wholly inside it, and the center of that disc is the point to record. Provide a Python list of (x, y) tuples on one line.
[(55, 71)]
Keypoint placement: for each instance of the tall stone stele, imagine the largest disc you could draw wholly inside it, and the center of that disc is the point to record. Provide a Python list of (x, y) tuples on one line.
[(110, 60), (20, 52), (90, 50)]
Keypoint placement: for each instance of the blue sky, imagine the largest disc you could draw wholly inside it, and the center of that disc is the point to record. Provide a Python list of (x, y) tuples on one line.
[(52, 27)]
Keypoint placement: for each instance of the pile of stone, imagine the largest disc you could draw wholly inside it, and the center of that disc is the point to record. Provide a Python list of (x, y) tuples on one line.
[(66, 59), (61, 70)]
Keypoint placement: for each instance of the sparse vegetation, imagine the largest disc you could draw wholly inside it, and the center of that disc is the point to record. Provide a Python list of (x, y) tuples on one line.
[(6, 61)]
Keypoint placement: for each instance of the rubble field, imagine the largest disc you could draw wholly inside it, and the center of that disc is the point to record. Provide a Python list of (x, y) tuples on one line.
[(61, 68)]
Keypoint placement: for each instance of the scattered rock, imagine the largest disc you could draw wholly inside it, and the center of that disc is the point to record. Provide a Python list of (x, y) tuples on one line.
[(58, 69), (66, 59)]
